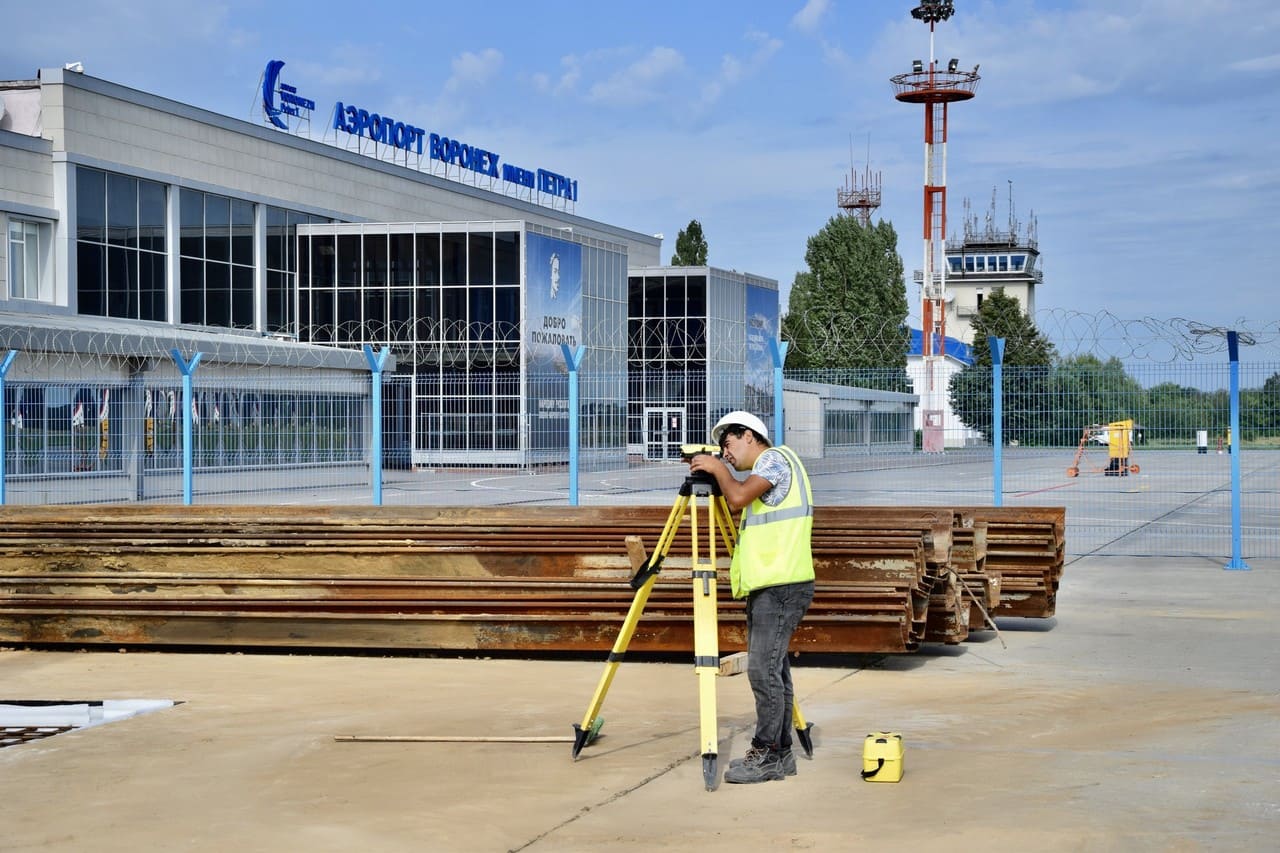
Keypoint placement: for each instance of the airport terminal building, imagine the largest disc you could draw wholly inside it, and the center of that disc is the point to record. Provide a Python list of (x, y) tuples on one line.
[(326, 226)]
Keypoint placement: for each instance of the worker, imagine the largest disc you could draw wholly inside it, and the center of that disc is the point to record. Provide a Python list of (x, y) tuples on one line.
[(772, 569)]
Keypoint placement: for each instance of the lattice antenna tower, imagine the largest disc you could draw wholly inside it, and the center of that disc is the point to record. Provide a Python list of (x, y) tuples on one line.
[(1014, 233), (860, 196)]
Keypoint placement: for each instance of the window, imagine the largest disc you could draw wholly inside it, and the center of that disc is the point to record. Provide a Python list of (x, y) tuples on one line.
[(282, 263), (29, 267), (217, 260), (121, 246)]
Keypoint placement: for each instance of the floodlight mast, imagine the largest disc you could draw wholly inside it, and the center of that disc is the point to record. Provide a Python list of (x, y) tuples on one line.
[(931, 12), (934, 87)]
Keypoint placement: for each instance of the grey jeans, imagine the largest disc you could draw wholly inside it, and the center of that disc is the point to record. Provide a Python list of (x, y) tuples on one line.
[(773, 614)]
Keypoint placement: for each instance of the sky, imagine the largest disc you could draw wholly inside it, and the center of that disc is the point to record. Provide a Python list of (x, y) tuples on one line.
[(1141, 137)]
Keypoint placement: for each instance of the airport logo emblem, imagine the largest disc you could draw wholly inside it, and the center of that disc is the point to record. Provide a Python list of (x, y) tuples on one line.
[(280, 100)]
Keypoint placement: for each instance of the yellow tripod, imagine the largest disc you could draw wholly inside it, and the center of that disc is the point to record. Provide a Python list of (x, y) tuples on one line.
[(706, 639)]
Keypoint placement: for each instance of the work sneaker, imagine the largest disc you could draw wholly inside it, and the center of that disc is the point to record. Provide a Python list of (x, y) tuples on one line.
[(759, 765), (788, 759)]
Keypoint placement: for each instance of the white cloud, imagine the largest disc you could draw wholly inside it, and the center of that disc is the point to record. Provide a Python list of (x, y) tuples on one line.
[(1047, 54), (1257, 64), (808, 18), (570, 76), (333, 75), (734, 70), (565, 82), (641, 81), (473, 69)]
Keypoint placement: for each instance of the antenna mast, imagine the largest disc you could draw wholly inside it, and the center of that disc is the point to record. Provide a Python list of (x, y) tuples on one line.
[(860, 198), (935, 88)]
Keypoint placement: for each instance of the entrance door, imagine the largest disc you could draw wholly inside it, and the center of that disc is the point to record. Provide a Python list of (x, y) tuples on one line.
[(663, 433)]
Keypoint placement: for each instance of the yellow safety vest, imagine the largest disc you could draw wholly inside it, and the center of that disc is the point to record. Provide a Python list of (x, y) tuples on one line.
[(774, 541)]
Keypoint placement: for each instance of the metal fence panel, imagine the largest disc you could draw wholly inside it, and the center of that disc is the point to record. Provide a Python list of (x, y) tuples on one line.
[(488, 436)]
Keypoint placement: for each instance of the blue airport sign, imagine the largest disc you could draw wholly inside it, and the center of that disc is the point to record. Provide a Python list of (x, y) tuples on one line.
[(280, 100)]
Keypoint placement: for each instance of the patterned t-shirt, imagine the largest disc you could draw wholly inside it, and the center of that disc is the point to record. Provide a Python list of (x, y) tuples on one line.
[(773, 466)]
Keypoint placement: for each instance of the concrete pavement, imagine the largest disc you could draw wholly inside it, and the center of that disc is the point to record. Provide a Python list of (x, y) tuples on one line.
[(1142, 717)]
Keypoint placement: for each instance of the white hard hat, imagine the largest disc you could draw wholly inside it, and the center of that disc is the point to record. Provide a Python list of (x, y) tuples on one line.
[(745, 419)]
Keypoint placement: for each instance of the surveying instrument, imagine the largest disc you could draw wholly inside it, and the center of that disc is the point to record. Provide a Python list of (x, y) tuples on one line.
[(706, 638)]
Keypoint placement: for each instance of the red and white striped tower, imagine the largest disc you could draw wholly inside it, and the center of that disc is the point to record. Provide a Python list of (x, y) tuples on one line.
[(935, 88)]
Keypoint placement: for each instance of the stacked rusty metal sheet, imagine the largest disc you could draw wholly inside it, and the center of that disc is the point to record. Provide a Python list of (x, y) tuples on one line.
[(494, 578), (1025, 549)]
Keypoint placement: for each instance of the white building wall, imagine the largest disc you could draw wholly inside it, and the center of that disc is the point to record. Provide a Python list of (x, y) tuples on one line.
[(26, 173), (954, 432), (804, 423)]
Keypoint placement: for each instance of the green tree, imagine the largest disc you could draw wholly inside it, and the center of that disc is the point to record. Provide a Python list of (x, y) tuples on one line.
[(848, 310), (1176, 413), (1001, 316), (1260, 410), (1088, 391), (691, 246), (1027, 373)]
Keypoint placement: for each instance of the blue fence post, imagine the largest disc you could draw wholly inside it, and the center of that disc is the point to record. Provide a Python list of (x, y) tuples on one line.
[(997, 419), (572, 359), (778, 349), (376, 363), (4, 423), (186, 368), (1237, 442)]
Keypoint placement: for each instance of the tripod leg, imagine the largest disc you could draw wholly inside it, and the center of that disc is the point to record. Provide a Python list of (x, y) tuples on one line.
[(586, 731), (724, 523), (706, 645), (803, 729)]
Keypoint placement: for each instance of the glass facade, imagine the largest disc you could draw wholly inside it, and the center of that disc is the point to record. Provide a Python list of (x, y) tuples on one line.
[(478, 333), (481, 316), (603, 383), (216, 247), (666, 361), (121, 246), (281, 263), (696, 336), (987, 263)]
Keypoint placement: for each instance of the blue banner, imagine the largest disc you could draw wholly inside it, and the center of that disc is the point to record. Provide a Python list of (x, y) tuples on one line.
[(762, 327)]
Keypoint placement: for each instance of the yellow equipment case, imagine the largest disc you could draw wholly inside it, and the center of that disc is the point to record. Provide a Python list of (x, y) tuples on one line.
[(882, 757)]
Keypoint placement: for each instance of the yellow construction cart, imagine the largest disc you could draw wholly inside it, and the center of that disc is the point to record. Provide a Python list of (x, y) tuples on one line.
[(1118, 437)]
